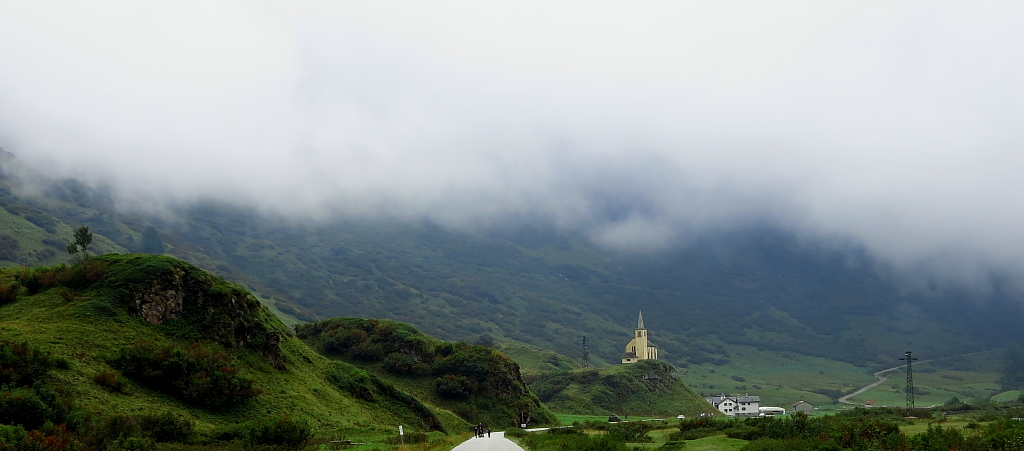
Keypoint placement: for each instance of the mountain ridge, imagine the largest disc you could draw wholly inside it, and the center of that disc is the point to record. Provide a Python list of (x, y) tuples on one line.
[(758, 287)]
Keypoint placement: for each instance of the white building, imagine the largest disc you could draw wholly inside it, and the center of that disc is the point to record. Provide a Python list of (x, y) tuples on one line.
[(737, 406)]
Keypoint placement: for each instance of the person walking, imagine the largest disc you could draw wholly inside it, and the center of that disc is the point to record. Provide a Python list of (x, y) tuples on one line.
[(488, 432)]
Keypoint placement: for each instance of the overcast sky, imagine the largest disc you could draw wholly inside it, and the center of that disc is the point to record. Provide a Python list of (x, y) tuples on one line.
[(896, 124)]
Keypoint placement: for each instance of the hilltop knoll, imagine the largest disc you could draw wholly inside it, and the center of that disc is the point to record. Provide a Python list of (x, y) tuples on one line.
[(141, 333)]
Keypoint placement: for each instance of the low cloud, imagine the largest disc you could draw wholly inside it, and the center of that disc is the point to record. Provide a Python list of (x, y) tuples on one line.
[(898, 128)]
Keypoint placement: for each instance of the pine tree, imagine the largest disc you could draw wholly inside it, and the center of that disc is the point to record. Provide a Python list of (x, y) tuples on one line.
[(151, 242), (1013, 368)]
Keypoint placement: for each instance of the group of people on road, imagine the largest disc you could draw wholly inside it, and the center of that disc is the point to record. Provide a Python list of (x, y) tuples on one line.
[(479, 430)]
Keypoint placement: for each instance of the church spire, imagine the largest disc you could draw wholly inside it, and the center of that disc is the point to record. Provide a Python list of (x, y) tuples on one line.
[(640, 321)]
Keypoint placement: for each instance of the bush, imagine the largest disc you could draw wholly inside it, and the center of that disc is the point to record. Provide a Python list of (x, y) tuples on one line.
[(167, 427), (32, 406), (110, 381), (633, 432), (408, 438), (49, 438), (452, 387), (194, 373), (132, 444), (282, 431), (739, 378), (78, 276), (515, 432), (9, 292), (22, 364), (672, 446), (11, 436)]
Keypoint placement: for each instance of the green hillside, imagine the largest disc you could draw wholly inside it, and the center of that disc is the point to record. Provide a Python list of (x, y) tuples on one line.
[(647, 388), (138, 334), (478, 383), (717, 302)]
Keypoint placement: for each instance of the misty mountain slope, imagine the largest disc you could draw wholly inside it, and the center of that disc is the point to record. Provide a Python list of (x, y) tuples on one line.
[(757, 286)]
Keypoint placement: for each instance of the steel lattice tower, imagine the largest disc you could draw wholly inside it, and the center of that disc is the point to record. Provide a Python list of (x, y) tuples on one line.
[(910, 379)]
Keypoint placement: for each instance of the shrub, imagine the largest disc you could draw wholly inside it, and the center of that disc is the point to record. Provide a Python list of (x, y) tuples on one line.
[(633, 432), (11, 436), (51, 438), (193, 373), (67, 295), (396, 363), (408, 438), (23, 406), (282, 431), (78, 276), (515, 432), (22, 364), (9, 292), (672, 446), (739, 378), (167, 427), (132, 444), (110, 381), (452, 386)]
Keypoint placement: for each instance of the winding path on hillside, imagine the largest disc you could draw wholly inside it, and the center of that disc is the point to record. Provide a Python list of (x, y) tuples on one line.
[(881, 379), (496, 442)]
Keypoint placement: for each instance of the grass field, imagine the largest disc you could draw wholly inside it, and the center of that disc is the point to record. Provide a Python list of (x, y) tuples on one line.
[(968, 378), (568, 419), (713, 443), (780, 379)]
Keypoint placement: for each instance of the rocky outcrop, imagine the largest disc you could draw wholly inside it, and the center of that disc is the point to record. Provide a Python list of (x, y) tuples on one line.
[(197, 304)]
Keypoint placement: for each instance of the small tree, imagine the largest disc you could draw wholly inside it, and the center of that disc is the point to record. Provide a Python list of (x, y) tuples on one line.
[(486, 340), (1012, 374), (80, 243), (151, 242)]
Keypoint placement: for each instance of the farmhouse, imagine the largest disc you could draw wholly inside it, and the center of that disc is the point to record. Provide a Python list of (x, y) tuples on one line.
[(737, 406), (803, 406), (639, 348)]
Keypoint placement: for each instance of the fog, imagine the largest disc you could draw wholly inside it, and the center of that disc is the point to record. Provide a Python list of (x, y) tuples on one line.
[(894, 125)]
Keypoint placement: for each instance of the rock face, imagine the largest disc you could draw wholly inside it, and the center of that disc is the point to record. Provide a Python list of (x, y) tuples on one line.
[(205, 307), (159, 304)]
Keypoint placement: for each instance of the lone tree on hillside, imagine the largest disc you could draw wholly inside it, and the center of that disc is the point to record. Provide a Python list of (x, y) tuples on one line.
[(1012, 376), (80, 243), (151, 242)]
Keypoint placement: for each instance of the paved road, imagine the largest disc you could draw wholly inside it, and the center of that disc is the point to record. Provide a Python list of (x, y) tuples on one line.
[(496, 442), (881, 379)]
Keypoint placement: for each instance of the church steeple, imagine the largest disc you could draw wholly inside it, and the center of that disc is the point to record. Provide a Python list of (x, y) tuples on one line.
[(639, 348)]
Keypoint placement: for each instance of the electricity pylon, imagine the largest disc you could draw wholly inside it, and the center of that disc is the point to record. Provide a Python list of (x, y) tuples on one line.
[(910, 380)]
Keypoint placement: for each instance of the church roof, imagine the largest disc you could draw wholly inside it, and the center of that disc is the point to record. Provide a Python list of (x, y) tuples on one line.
[(640, 321), (629, 355)]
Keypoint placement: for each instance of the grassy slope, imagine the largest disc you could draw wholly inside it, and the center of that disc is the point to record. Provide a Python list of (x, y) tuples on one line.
[(532, 359), (644, 389), (533, 287), (501, 393), (48, 321)]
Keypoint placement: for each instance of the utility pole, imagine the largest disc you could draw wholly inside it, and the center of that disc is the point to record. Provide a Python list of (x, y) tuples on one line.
[(586, 354), (910, 380)]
